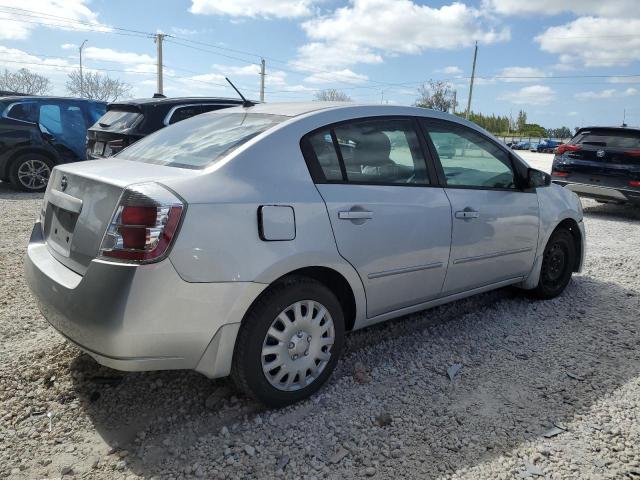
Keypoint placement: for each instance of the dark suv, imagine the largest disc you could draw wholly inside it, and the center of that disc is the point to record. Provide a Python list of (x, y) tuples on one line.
[(601, 163), (126, 122), (37, 133)]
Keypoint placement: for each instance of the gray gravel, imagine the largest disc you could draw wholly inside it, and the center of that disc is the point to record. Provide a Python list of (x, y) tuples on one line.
[(496, 387)]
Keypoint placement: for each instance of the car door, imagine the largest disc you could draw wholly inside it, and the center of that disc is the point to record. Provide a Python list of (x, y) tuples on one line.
[(389, 219), (494, 221)]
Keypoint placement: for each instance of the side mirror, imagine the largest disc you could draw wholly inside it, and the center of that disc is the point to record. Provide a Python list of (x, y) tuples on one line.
[(537, 178)]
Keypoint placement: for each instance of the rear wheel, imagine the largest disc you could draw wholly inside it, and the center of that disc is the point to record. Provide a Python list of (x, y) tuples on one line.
[(289, 343), (558, 261), (30, 172)]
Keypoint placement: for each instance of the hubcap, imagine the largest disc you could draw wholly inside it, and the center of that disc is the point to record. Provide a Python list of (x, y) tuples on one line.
[(34, 174), (297, 346)]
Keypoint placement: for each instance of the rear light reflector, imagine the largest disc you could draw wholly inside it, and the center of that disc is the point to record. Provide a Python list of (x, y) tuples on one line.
[(632, 153), (634, 183), (144, 224), (559, 174), (567, 148)]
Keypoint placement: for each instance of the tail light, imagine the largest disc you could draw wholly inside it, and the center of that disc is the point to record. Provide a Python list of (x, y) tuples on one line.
[(559, 174), (634, 183), (144, 224), (632, 153), (567, 148)]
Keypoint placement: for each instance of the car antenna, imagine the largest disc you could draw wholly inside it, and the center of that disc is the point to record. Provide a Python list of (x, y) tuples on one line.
[(245, 102)]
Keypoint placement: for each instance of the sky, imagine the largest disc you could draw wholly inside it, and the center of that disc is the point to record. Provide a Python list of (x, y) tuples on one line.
[(565, 62)]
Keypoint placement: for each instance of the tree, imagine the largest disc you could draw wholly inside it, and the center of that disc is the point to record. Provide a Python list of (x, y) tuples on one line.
[(96, 86), (521, 121), (437, 95), (25, 81), (331, 95)]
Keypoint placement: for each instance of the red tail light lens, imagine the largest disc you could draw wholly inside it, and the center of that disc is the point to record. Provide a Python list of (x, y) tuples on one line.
[(559, 174), (634, 183), (632, 153), (567, 148), (144, 224)]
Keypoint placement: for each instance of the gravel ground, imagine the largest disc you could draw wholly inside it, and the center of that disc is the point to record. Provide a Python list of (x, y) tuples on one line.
[(493, 387)]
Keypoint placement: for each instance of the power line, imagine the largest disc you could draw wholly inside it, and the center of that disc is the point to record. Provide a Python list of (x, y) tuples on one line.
[(45, 16)]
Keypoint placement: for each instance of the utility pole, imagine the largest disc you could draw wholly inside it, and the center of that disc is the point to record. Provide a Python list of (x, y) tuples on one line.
[(453, 105), (81, 79), (624, 117), (473, 74), (159, 39), (262, 74)]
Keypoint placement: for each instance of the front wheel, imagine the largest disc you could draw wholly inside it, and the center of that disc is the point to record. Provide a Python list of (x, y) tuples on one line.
[(558, 262), (289, 342), (30, 172)]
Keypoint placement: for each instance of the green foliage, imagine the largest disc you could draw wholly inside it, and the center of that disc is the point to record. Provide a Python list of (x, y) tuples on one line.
[(492, 123)]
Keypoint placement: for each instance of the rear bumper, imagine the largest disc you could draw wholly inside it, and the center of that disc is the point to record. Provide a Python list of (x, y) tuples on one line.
[(139, 317), (601, 193)]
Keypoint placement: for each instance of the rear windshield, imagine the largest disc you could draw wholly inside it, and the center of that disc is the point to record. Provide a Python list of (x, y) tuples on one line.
[(608, 138), (118, 119), (201, 140)]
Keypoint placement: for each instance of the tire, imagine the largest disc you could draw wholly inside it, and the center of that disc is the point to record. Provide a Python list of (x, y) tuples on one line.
[(30, 172), (558, 262), (302, 342)]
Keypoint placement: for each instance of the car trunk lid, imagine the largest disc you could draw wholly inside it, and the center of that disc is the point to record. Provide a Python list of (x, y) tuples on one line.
[(81, 199)]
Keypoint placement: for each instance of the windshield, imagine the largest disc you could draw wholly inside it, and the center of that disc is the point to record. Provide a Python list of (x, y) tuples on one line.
[(118, 119), (201, 140)]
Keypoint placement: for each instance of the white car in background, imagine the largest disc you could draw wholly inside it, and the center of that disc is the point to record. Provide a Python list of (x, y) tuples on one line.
[(249, 241)]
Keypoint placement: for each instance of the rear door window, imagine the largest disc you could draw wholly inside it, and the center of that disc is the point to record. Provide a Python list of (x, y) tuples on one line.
[(378, 151), (50, 118), (23, 111)]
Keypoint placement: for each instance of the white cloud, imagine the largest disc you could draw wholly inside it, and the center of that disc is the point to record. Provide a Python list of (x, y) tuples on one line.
[(402, 26), (20, 19), (68, 46), (343, 76), (452, 70), (594, 42), (320, 56), (607, 8), (606, 93), (531, 95), (253, 8), (520, 74), (110, 55), (364, 30), (635, 79)]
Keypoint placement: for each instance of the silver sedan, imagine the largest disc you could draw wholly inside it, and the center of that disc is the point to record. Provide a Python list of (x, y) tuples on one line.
[(247, 242)]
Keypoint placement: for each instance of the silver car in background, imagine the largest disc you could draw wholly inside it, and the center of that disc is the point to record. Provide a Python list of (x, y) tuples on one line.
[(247, 242)]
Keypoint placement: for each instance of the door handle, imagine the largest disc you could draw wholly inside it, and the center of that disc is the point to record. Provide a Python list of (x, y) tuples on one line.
[(467, 213), (355, 215)]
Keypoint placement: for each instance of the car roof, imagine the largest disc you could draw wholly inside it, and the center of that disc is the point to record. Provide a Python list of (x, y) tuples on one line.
[(57, 99), (177, 101), (622, 129), (294, 109)]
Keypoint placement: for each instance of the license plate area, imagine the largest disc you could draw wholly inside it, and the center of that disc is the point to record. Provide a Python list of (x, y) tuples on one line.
[(59, 227)]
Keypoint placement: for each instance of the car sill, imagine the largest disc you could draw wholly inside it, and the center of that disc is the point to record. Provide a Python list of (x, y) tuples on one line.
[(438, 301)]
